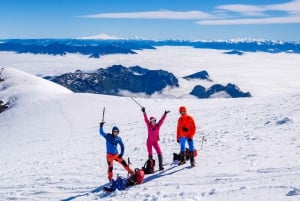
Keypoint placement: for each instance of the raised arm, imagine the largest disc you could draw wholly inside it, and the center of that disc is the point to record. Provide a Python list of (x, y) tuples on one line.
[(163, 117), (101, 131), (145, 116)]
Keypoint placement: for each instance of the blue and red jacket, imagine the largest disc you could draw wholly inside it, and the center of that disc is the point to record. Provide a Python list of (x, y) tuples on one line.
[(112, 142)]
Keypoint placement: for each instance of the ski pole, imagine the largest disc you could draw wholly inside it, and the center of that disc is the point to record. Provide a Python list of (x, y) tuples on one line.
[(129, 163), (203, 139), (136, 102)]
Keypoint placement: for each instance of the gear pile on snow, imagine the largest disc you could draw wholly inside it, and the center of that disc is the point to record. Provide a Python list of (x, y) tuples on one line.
[(122, 183)]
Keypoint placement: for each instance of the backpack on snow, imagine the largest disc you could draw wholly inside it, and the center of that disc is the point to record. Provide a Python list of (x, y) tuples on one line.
[(149, 166), (187, 154), (137, 178), (139, 175)]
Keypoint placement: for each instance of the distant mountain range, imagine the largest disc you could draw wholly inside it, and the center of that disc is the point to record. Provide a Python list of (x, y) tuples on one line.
[(96, 48)]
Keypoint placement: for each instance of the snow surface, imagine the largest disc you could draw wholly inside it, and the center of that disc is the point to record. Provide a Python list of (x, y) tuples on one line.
[(50, 148)]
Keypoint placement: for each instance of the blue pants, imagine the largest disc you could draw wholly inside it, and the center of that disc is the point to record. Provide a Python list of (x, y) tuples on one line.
[(182, 141)]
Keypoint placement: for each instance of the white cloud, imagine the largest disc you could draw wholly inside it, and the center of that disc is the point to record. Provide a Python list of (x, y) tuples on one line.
[(292, 7), (102, 36), (254, 10), (163, 14), (247, 10), (290, 14), (223, 14), (181, 61), (272, 20)]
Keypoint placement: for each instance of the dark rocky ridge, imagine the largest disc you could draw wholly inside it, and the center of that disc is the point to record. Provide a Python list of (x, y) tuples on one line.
[(115, 78)]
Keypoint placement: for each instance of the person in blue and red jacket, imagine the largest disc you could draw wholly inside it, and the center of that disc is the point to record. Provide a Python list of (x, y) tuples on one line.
[(186, 129), (112, 141), (153, 136)]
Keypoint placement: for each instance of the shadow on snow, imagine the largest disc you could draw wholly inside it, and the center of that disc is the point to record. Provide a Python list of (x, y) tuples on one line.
[(96, 190), (156, 175)]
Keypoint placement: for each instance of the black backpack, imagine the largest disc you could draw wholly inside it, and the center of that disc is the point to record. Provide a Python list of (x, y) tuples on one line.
[(149, 166)]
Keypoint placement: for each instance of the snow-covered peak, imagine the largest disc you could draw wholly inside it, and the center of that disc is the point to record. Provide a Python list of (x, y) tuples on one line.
[(101, 36), (18, 84)]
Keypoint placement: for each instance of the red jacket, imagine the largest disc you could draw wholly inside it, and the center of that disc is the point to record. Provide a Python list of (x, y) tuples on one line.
[(153, 130), (185, 127)]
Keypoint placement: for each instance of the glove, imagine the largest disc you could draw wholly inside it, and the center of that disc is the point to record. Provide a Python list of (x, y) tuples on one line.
[(102, 123), (190, 139), (167, 111), (120, 156), (185, 129), (178, 141), (143, 109)]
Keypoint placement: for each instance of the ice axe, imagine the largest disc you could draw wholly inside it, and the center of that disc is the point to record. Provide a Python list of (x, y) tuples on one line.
[(103, 112), (136, 102)]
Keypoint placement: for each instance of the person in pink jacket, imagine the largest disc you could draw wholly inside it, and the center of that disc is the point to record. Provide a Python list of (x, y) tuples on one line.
[(153, 136)]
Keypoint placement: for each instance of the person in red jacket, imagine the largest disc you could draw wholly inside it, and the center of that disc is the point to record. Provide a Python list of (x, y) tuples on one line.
[(186, 130), (112, 154), (153, 136)]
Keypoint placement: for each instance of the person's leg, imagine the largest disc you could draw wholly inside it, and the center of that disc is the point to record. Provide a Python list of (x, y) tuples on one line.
[(160, 162), (125, 165), (182, 141), (149, 149), (191, 145), (191, 148), (110, 159), (159, 155)]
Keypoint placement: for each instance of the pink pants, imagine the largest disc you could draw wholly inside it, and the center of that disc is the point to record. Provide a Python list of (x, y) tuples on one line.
[(155, 145)]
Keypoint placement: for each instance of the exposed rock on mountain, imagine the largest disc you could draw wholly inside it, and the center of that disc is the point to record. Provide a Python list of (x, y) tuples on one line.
[(203, 75), (236, 52), (3, 106), (115, 78), (232, 90)]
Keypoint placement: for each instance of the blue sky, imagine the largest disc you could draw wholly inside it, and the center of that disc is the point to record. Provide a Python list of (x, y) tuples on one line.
[(153, 19)]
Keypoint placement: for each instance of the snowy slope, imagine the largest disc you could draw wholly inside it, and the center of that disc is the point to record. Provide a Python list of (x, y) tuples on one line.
[(50, 148)]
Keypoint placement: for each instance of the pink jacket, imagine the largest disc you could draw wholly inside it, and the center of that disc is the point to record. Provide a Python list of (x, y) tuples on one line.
[(153, 130)]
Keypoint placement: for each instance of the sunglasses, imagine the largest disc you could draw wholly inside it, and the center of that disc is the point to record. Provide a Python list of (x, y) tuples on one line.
[(153, 120), (115, 131)]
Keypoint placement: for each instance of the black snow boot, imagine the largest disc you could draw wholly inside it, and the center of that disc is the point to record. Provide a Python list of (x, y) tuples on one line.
[(160, 162), (192, 159), (182, 158)]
